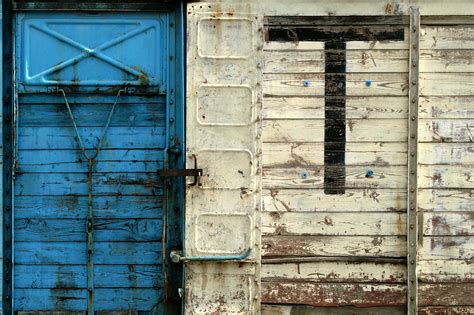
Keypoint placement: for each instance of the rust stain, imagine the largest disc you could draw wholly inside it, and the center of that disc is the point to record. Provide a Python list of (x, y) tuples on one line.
[(351, 123)]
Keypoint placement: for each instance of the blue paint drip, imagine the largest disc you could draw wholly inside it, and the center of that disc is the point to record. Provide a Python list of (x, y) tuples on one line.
[(368, 83), (369, 173), (305, 83)]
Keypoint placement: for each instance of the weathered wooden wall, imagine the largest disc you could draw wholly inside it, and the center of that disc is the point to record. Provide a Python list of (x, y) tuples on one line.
[(446, 259), (323, 250)]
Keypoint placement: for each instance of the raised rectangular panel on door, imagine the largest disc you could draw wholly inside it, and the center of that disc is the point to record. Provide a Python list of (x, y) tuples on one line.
[(223, 111)]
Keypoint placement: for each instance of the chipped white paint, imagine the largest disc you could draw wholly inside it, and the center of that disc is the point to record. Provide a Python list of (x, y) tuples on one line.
[(223, 111)]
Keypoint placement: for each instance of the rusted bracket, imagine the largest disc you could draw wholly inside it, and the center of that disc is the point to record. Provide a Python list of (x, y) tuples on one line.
[(194, 172), (412, 202)]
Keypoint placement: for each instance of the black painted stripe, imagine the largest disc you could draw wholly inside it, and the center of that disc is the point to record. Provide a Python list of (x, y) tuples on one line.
[(335, 118), (335, 34)]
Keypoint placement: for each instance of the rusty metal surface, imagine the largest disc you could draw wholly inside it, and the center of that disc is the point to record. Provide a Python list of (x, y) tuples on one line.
[(413, 237)]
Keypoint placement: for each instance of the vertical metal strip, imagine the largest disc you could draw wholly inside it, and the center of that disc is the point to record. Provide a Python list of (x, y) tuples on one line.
[(8, 155), (412, 206)]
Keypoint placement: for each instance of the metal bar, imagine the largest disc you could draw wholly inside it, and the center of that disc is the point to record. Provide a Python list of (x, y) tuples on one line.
[(179, 172), (93, 6), (333, 259), (8, 156), (177, 258), (412, 206)]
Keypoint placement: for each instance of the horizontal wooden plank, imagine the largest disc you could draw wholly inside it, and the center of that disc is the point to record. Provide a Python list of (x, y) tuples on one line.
[(76, 300), (446, 310), (330, 294), (307, 154), (447, 247), (73, 161), (117, 138), (105, 230), (446, 199), (54, 184), (357, 130), (448, 223), (75, 276), (292, 107), (456, 60), (382, 84), (353, 200), (446, 130), (335, 272), (446, 107), (313, 61), (313, 21), (304, 246), (320, 223), (447, 84), (74, 253), (352, 45), (445, 271), (446, 153), (75, 207), (445, 176), (269, 309), (447, 37), (92, 115), (446, 294), (355, 177)]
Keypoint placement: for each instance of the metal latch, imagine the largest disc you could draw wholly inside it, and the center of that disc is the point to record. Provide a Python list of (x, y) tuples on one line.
[(194, 172)]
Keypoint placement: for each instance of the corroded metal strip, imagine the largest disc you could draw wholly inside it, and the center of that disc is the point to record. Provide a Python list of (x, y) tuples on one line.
[(412, 230), (8, 157)]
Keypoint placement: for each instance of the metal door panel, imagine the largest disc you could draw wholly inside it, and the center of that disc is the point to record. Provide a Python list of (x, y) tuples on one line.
[(65, 51)]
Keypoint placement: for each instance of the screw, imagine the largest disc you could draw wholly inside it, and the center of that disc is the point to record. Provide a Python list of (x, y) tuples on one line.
[(412, 226)]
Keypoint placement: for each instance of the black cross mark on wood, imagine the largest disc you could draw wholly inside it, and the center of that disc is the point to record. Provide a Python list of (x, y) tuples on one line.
[(335, 38)]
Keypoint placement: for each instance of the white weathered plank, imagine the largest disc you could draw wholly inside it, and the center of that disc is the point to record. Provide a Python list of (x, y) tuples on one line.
[(333, 294), (320, 223), (314, 107), (446, 153), (446, 199), (447, 84), (446, 130), (313, 177), (382, 84), (353, 200), (445, 176), (274, 309), (447, 37), (447, 247), (447, 60), (446, 107), (448, 223), (335, 271), (357, 130), (356, 45), (303, 246), (445, 271), (313, 61), (306, 154)]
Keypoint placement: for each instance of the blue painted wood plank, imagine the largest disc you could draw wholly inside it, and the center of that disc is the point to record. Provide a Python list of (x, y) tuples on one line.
[(75, 207), (73, 161), (75, 276), (105, 230), (75, 253), (54, 138), (77, 184), (92, 115), (143, 299)]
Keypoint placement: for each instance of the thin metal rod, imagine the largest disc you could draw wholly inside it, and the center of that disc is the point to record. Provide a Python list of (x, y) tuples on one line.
[(90, 212), (413, 238)]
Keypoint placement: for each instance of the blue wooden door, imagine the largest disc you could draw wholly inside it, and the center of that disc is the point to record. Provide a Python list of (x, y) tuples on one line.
[(93, 238)]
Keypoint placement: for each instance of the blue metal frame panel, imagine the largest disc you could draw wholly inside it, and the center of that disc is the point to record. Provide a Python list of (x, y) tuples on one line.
[(130, 50), (156, 81)]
